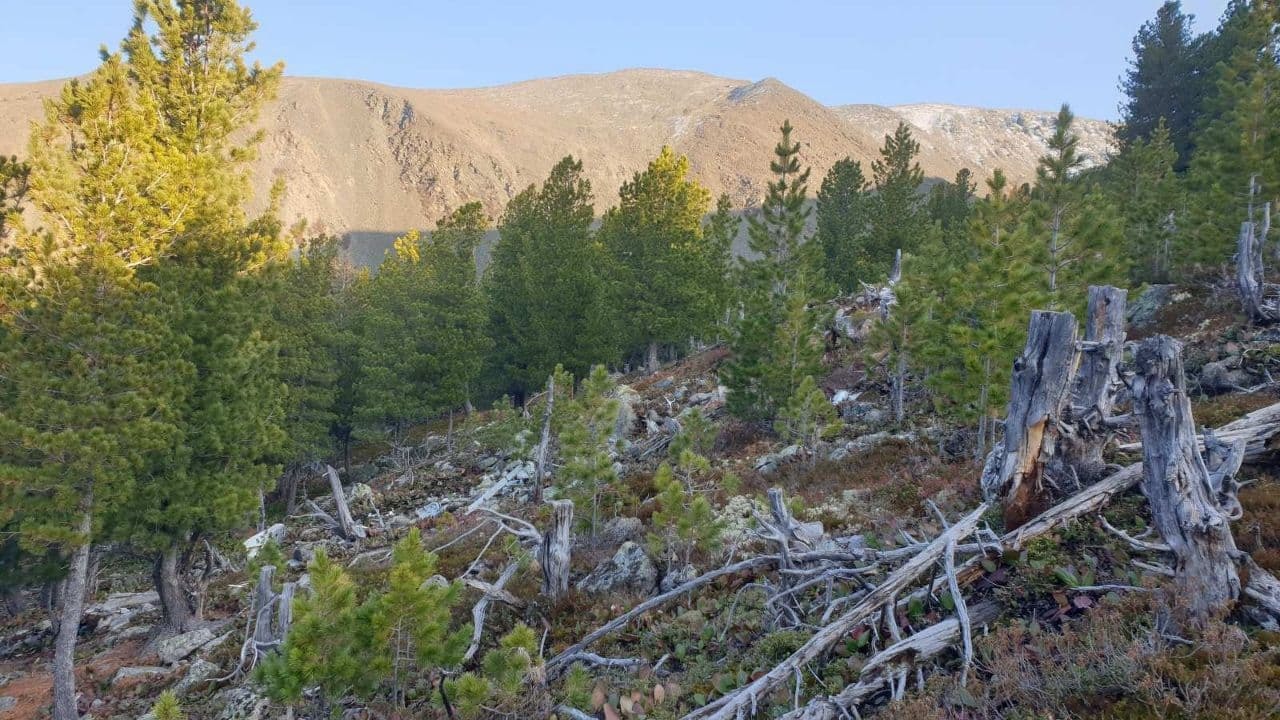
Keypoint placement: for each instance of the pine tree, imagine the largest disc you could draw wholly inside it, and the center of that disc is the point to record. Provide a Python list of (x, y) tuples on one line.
[(806, 417), (304, 314), (844, 224), (661, 257), (949, 205), (546, 284), (1144, 180), (332, 644), (684, 522), (167, 707), (774, 341), (1077, 229), (187, 60), (15, 181), (720, 230), (1236, 167), (1166, 82), (898, 218), (423, 333), (585, 431)]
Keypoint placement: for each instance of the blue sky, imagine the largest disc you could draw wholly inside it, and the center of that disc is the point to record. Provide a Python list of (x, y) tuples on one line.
[(995, 53)]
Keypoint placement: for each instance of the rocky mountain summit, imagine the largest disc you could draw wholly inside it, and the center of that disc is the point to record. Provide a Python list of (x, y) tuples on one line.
[(370, 161)]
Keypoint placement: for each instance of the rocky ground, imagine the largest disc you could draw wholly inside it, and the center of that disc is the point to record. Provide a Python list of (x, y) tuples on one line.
[(876, 484)]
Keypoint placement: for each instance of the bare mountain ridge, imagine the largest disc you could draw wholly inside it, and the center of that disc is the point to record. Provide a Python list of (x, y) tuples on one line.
[(370, 161)]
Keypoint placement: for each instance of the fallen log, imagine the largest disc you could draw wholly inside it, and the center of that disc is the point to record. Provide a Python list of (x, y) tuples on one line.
[(878, 671), (750, 564), (1254, 428), (747, 698), (481, 609)]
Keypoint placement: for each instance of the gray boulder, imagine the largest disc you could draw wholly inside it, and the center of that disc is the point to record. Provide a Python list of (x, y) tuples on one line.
[(8, 702), (254, 544), (621, 529), (199, 671), (134, 673), (1142, 309), (629, 569), (677, 577), (240, 703), (176, 648)]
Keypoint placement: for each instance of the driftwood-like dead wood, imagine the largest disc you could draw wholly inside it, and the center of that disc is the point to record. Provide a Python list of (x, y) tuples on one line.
[(1185, 508), (880, 668), (1250, 280), (347, 526), (284, 611), (554, 552), (747, 698), (264, 598), (749, 565), (1255, 429), (1093, 391), (1038, 398), (481, 609)]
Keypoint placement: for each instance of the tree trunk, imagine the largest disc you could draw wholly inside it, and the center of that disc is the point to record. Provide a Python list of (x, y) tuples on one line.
[(1042, 377), (1093, 391), (64, 648), (177, 617), (346, 524), (263, 634), (554, 553), (651, 359), (1249, 271), (1179, 486)]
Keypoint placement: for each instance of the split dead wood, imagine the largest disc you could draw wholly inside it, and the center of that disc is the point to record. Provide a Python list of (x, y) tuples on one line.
[(761, 562), (882, 667), (481, 608), (554, 552), (747, 698), (544, 443), (1256, 296), (346, 525), (1186, 508)]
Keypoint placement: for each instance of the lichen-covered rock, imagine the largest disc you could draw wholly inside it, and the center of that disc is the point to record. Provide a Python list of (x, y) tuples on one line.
[(677, 577), (240, 703), (178, 647), (629, 569)]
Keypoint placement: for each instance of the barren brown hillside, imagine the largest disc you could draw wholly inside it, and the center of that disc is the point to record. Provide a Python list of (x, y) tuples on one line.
[(363, 158)]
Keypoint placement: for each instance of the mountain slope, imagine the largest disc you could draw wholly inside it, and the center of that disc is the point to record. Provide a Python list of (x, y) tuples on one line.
[(370, 160)]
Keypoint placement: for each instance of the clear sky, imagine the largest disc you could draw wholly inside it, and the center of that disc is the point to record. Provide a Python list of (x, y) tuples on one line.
[(994, 53)]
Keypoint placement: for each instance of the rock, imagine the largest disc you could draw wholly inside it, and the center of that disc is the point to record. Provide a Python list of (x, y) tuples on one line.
[(625, 424), (432, 444), (254, 544), (1142, 309), (398, 521), (116, 602), (430, 510), (866, 442), (701, 398), (239, 703), (1219, 377), (766, 464), (809, 532), (621, 529), (178, 647), (435, 581), (134, 673), (129, 633), (838, 454), (361, 493), (8, 702), (629, 569), (664, 384), (676, 577), (488, 462), (199, 671)]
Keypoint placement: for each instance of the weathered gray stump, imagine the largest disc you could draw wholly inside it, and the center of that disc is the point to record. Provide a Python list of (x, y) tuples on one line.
[(1039, 393), (347, 525), (264, 636), (1184, 497), (1093, 390), (1249, 270), (554, 552)]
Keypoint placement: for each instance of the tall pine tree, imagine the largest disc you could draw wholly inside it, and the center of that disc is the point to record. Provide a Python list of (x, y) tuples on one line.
[(844, 224), (661, 257), (547, 284), (899, 221)]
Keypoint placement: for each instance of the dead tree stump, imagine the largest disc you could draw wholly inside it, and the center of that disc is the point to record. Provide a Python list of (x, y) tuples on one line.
[(1040, 391), (1186, 500), (1093, 391), (1250, 282), (554, 552)]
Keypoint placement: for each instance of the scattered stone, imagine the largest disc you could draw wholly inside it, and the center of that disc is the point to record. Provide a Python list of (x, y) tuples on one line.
[(116, 602), (1142, 309), (701, 398), (629, 569), (488, 462), (399, 521), (254, 544), (8, 702), (1218, 376), (240, 703), (361, 492), (621, 529), (178, 647), (129, 633), (134, 673), (628, 400), (677, 577), (199, 671), (435, 581), (838, 454), (430, 510), (664, 384)]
